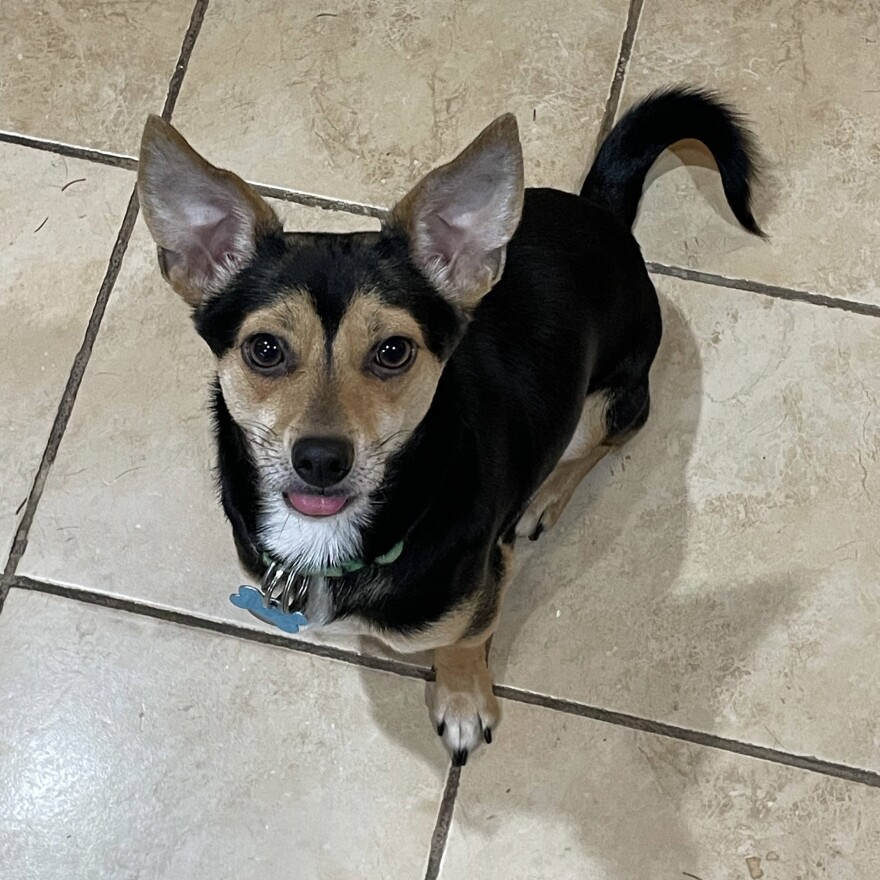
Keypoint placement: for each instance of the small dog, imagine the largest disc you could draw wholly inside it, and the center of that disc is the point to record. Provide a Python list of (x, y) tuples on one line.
[(393, 408)]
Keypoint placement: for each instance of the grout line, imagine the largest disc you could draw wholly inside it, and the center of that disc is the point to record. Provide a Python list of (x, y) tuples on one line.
[(443, 824), (505, 692), (222, 627), (81, 360), (186, 50), (102, 157), (129, 163), (697, 737), (68, 398), (326, 203), (612, 103), (772, 290)]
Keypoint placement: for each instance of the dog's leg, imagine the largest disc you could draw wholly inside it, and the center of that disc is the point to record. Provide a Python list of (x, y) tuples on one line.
[(555, 492), (462, 705), (608, 419)]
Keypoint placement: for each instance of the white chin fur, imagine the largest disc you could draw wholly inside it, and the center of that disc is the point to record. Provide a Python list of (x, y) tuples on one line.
[(311, 542)]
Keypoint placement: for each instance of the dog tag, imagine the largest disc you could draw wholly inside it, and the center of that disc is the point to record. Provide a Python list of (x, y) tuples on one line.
[(252, 600)]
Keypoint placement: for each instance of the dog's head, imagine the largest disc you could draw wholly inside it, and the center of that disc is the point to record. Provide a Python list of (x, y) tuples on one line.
[(329, 347)]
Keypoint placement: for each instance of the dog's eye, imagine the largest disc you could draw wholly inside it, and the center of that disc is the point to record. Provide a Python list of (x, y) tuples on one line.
[(262, 351), (394, 353)]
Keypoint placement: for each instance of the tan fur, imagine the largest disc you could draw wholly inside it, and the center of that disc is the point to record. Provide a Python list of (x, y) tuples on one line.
[(470, 623), (381, 408), (461, 700), (446, 631), (339, 397)]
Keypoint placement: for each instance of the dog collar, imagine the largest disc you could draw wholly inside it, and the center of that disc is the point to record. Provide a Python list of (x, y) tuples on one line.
[(345, 567), (282, 595)]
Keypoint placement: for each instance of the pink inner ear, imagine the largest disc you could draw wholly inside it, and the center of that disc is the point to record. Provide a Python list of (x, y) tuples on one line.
[(223, 241), (445, 239), (212, 247)]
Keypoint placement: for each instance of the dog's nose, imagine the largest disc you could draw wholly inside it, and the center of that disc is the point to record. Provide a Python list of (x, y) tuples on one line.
[(322, 461)]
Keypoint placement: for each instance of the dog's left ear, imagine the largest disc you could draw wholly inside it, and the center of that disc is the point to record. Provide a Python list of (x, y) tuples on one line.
[(460, 217)]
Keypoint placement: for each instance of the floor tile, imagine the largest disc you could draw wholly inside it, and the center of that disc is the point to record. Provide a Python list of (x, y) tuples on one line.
[(56, 243), (720, 572), (134, 748), (358, 100), (566, 797), (130, 508), (88, 73), (807, 74)]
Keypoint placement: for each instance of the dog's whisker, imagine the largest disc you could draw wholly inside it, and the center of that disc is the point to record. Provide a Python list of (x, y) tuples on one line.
[(283, 527), (393, 436)]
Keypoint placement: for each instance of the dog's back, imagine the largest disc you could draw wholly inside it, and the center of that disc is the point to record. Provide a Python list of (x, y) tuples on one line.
[(575, 313)]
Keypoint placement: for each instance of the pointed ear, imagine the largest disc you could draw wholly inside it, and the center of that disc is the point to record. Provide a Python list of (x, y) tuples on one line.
[(460, 217), (206, 221)]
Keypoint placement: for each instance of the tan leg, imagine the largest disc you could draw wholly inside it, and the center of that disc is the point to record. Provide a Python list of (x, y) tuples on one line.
[(462, 705), (584, 451), (555, 493)]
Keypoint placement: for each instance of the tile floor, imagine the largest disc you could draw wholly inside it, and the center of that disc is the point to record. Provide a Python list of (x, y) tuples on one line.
[(687, 664)]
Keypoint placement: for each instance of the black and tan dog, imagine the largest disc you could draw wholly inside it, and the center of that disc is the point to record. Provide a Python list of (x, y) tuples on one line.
[(393, 408)]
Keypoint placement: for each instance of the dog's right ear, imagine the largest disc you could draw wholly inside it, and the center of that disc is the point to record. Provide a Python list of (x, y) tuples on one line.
[(205, 221)]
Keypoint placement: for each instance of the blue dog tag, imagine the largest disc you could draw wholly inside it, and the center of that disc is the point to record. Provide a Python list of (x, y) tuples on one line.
[(252, 600)]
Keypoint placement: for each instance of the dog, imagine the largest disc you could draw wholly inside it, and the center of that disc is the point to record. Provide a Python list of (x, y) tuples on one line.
[(393, 409)]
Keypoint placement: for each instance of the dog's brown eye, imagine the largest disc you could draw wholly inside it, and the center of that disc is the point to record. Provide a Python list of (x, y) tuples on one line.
[(263, 351), (394, 353)]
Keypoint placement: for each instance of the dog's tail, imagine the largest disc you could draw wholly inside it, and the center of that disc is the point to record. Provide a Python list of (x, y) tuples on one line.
[(657, 122)]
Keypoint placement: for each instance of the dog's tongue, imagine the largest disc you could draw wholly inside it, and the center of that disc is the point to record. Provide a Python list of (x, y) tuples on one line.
[(317, 505)]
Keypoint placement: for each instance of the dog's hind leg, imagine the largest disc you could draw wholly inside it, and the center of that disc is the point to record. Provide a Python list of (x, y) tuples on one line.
[(608, 419)]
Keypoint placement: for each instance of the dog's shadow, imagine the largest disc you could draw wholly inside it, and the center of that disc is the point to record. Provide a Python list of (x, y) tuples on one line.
[(596, 612)]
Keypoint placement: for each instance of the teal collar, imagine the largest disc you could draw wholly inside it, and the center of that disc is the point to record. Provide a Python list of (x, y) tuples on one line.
[(343, 568)]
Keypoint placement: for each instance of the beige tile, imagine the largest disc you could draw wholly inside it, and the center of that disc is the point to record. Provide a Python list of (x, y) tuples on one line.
[(357, 100), (720, 572), (87, 73), (132, 748), (807, 73), (130, 507), (566, 797), (55, 248)]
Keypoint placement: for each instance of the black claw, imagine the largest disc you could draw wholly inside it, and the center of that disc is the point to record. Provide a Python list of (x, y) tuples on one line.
[(459, 758), (441, 727), (539, 530), (487, 735)]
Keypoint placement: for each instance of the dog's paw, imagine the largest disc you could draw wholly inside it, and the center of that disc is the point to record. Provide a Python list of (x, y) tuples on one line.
[(541, 514), (532, 524), (464, 712)]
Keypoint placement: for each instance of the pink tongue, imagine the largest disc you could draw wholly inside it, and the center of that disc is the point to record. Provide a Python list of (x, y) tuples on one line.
[(317, 505)]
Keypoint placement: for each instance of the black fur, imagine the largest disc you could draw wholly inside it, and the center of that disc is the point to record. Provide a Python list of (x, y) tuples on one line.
[(331, 268), (657, 122), (575, 312)]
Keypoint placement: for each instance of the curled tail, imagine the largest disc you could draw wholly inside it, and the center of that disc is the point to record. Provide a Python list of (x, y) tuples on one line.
[(657, 122)]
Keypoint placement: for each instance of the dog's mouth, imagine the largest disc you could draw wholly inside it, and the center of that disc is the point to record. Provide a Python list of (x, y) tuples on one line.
[(309, 504)]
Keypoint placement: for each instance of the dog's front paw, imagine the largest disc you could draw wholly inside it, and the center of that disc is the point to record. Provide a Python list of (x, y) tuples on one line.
[(463, 708)]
